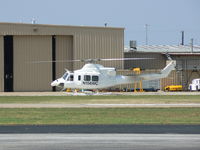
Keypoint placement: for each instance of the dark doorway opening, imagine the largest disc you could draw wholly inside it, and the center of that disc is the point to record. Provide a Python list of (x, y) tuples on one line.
[(8, 63), (53, 60)]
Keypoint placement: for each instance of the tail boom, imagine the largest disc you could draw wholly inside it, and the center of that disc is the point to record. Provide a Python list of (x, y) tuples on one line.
[(163, 73)]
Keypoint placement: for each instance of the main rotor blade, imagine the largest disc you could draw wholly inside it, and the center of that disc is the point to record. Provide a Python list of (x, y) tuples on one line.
[(89, 60), (111, 59), (50, 61)]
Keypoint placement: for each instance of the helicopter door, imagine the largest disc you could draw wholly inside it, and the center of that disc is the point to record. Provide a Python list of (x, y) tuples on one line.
[(95, 78), (71, 77), (91, 80)]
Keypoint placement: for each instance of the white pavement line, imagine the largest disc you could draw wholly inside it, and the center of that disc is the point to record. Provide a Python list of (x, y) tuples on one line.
[(95, 105)]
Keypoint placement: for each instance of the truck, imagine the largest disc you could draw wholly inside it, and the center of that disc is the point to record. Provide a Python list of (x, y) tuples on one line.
[(173, 88), (195, 85)]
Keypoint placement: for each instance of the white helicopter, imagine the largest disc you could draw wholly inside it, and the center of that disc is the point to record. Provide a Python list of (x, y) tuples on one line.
[(96, 76)]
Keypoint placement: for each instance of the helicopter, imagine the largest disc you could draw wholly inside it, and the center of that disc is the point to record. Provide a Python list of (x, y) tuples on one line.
[(95, 76)]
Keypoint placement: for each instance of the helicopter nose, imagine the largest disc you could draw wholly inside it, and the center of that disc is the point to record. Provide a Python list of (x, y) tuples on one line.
[(54, 83)]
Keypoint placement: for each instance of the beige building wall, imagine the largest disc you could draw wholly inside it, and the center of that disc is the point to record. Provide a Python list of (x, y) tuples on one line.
[(64, 51), (88, 42), (172, 79), (30, 76), (1, 64), (99, 43)]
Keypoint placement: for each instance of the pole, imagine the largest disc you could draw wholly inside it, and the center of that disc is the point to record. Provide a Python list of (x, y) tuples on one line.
[(146, 31), (192, 45), (182, 35)]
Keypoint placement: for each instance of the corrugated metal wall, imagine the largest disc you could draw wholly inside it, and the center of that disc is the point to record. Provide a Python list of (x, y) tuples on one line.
[(172, 79), (64, 51), (29, 76), (99, 44), (1, 64), (158, 60), (188, 64)]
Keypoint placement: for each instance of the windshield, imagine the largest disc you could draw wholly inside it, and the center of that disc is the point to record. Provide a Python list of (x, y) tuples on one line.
[(65, 76)]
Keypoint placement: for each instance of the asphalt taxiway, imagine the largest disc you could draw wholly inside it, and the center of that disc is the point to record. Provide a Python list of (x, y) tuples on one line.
[(98, 129), (99, 142), (100, 137)]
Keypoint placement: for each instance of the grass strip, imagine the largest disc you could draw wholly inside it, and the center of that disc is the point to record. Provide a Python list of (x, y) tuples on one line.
[(132, 99), (62, 116)]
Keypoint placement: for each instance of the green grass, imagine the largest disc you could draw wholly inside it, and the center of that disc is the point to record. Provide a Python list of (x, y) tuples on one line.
[(100, 116), (126, 99)]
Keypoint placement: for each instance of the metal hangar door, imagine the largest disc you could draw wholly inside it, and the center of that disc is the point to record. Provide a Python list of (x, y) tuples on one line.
[(30, 76)]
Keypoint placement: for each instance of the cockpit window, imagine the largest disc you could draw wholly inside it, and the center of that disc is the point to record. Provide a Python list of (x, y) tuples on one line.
[(65, 76)]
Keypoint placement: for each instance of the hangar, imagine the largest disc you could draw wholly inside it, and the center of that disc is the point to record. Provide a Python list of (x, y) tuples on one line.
[(21, 44), (187, 59)]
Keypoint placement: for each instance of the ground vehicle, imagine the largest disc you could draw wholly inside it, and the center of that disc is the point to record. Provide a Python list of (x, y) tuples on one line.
[(174, 88), (195, 85)]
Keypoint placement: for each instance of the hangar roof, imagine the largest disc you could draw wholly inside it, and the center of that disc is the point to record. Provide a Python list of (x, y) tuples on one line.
[(165, 48), (76, 31), (55, 25)]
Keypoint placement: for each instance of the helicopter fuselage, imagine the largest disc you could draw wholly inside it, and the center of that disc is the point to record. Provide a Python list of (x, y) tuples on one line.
[(91, 76), (96, 76)]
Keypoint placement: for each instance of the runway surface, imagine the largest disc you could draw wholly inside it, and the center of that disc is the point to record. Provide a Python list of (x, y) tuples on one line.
[(99, 142)]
